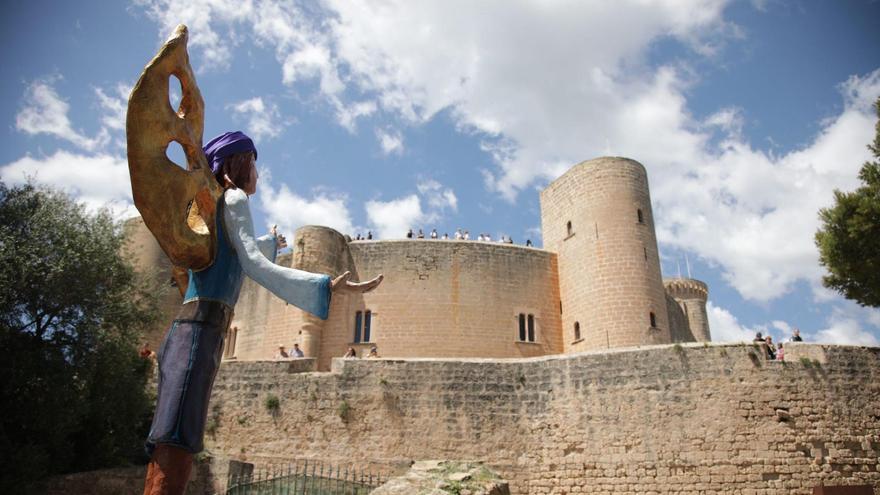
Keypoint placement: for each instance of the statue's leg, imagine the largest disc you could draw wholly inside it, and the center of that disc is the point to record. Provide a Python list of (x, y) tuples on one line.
[(168, 471), (188, 362)]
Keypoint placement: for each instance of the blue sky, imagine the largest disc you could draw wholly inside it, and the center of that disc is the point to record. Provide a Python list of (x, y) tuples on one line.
[(448, 114)]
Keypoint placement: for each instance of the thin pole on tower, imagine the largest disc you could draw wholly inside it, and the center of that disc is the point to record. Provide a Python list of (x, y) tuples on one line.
[(688, 265)]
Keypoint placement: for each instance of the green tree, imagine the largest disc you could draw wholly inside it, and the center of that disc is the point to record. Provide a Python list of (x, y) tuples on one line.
[(72, 387), (849, 238)]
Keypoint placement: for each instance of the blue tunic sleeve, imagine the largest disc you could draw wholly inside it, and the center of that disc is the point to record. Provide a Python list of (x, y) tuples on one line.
[(307, 291)]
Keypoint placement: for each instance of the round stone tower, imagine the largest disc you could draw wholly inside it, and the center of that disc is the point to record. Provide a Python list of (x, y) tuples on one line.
[(318, 249), (691, 295), (597, 217)]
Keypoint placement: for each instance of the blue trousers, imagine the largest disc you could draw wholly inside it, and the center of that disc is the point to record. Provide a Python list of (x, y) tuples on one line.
[(188, 362)]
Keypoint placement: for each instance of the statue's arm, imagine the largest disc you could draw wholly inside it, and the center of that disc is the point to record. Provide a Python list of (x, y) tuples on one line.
[(307, 291)]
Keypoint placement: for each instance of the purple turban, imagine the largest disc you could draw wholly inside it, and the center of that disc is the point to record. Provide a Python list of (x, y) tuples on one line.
[(228, 143)]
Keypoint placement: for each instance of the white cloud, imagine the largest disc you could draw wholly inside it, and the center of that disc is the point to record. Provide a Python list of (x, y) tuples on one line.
[(98, 181), (114, 105), (392, 219), (263, 120), (45, 112), (578, 86), (290, 211), (846, 325), (438, 197), (726, 328), (390, 140)]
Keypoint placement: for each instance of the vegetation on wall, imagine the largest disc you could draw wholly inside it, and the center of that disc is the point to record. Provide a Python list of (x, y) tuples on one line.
[(71, 309), (849, 237)]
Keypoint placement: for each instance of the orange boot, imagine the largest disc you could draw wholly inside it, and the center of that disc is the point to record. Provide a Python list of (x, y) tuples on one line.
[(168, 471)]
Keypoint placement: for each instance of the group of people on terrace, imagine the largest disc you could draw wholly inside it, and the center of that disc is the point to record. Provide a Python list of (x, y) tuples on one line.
[(459, 235), (776, 352), (294, 353), (462, 235)]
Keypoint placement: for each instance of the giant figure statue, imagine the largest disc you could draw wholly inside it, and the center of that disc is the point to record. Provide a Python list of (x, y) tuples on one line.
[(201, 219)]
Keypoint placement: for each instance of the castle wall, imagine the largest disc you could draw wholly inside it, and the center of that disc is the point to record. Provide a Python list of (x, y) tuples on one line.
[(144, 252), (690, 418), (439, 298), (678, 321), (609, 266), (451, 299)]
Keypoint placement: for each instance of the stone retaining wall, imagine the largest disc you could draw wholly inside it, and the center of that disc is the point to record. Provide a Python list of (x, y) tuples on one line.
[(690, 418)]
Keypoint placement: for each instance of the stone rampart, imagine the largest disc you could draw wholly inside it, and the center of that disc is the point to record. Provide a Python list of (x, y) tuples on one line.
[(439, 298), (693, 418)]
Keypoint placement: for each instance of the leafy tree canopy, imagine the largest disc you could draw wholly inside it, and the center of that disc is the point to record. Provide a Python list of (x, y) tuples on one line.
[(73, 394), (849, 237)]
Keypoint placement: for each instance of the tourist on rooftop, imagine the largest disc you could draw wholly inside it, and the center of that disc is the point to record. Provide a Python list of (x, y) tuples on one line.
[(350, 354), (369, 235), (282, 353), (433, 233), (796, 336), (528, 242), (771, 349), (296, 352), (421, 234), (409, 234), (458, 234), (446, 236)]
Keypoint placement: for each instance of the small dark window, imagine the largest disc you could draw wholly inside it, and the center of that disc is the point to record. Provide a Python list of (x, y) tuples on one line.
[(653, 320), (522, 327), (358, 318), (577, 331), (568, 228), (560, 307), (641, 217), (368, 318), (646, 254), (531, 328)]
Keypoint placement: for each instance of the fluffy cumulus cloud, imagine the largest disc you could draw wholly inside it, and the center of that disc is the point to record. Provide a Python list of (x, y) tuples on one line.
[(262, 120), (44, 112), (390, 140), (725, 327), (97, 180), (290, 210), (392, 219), (578, 86)]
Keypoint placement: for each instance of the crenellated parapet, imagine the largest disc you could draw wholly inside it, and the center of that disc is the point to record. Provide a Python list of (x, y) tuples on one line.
[(691, 296), (686, 288)]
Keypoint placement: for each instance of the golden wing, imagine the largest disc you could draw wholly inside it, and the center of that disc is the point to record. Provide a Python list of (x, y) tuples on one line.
[(177, 205)]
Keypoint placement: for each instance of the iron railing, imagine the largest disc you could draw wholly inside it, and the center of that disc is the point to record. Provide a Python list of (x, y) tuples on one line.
[(302, 478)]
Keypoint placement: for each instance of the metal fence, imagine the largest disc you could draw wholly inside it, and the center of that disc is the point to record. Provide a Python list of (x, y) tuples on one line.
[(302, 478)]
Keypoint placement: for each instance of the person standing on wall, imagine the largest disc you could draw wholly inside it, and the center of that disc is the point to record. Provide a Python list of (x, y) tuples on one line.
[(190, 354)]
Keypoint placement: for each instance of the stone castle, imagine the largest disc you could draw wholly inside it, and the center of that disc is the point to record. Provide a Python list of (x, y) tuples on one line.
[(596, 285), (560, 368)]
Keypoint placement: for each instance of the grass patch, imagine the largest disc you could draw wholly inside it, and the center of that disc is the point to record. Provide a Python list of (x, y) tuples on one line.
[(344, 411), (272, 403)]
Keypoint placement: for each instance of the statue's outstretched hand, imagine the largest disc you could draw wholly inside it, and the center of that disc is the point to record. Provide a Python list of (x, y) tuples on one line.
[(280, 241), (341, 284)]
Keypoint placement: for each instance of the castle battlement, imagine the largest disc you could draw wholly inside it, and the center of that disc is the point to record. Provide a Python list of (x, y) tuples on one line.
[(686, 288)]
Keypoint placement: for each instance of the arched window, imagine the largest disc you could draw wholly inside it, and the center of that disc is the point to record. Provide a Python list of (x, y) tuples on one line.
[(577, 331), (641, 217), (653, 320), (568, 228)]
